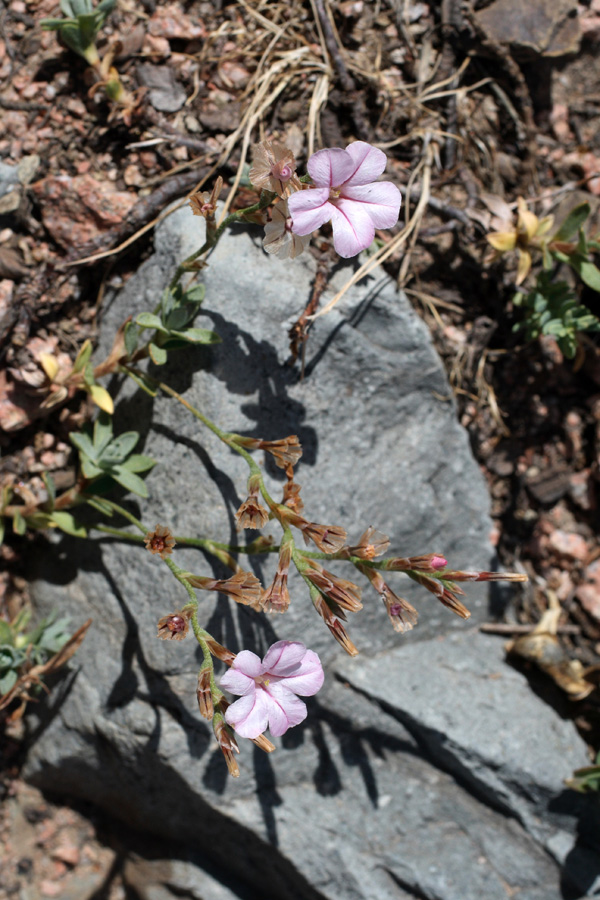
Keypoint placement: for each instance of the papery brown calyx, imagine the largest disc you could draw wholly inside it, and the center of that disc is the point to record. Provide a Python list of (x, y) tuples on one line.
[(243, 587), (227, 742), (340, 591), (427, 562), (371, 543), (444, 594), (251, 513), (273, 168), (160, 541), (204, 693), (291, 492), (205, 204), (175, 626), (335, 626), (401, 613), (276, 598), (285, 451)]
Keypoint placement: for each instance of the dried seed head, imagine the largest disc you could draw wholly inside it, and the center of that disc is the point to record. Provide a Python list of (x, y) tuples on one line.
[(251, 514), (443, 593), (276, 599), (273, 167), (335, 626), (175, 626), (328, 538), (160, 541), (220, 651), (370, 544), (264, 743), (227, 743), (402, 614), (343, 593), (204, 694), (291, 492), (205, 203)]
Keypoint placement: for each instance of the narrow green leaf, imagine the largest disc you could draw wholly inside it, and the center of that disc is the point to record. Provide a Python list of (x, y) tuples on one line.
[(101, 505), (67, 523), (7, 681), (19, 523), (198, 336), (587, 271), (572, 223), (83, 357), (178, 318), (49, 483), (158, 355), (89, 468), (131, 337), (88, 375), (129, 481), (144, 383), (103, 432), (6, 635)]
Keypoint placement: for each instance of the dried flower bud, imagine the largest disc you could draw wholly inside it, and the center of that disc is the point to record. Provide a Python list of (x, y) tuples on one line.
[(175, 626), (485, 576), (204, 693), (220, 651), (227, 743), (243, 587), (328, 538), (335, 626), (205, 203), (402, 614), (343, 593), (370, 544), (251, 514), (160, 541), (279, 237), (276, 599), (264, 743), (286, 451), (444, 594), (291, 492), (273, 167), (428, 562)]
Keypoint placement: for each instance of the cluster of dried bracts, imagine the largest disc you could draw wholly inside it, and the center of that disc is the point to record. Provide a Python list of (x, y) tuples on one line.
[(269, 690)]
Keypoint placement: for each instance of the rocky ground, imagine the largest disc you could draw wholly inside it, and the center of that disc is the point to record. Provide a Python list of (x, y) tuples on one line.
[(83, 181)]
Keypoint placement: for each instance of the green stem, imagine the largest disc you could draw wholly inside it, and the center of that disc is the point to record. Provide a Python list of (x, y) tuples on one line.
[(213, 235), (185, 541)]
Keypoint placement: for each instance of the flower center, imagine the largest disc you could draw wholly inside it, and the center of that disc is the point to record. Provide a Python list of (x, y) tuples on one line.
[(282, 171), (334, 193), (157, 544), (176, 623)]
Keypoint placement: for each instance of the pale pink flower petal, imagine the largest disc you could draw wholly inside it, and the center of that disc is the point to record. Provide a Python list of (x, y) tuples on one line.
[(285, 710), (249, 715), (353, 229), (331, 168), (238, 682), (381, 200), (284, 658), (308, 677), (369, 163), (269, 688), (310, 209)]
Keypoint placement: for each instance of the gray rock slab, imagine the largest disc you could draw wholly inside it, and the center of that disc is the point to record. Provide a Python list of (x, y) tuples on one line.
[(353, 804)]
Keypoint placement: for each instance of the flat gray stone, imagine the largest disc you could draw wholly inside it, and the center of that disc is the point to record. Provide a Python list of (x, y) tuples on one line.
[(354, 804)]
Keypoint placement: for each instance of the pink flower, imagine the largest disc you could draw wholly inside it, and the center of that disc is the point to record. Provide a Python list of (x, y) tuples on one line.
[(346, 193), (268, 689)]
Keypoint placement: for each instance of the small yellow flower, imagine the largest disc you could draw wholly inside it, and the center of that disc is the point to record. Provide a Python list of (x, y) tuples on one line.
[(526, 234)]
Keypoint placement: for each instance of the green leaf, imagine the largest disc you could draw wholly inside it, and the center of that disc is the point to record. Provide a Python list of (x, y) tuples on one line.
[(103, 432), (144, 382), (6, 634), (67, 523), (129, 481), (119, 449), (101, 505), (88, 375), (158, 355), (131, 338), (198, 336), (572, 223), (49, 483), (149, 320), (138, 463), (19, 523), (83, 357), (89, 468), (7, 681), (178, 318), (587, 271), (83, 443), (195, 294)]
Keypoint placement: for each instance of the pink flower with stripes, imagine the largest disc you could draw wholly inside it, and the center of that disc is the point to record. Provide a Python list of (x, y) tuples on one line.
[(346, 194), (268, 689)]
